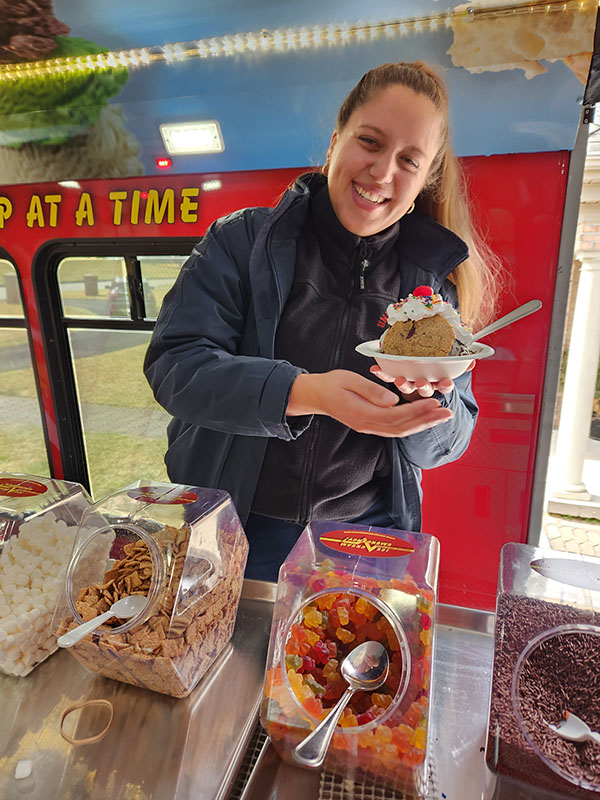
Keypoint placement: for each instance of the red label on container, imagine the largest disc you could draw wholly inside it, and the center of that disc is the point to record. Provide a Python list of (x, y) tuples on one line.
[(364, 543), (16, 487), (154, 494)]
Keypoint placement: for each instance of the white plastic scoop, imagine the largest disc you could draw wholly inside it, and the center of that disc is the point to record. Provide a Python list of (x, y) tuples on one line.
[(125, 608), (575, 729), (365, 669), (508, 319)]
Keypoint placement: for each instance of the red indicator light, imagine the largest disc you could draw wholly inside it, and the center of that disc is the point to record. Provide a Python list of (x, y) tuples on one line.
[(163, 163)]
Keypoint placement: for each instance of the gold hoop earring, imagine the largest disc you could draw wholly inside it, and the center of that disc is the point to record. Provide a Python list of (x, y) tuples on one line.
[(411, 208)]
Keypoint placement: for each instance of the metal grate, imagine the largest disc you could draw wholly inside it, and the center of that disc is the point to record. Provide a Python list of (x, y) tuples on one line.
[(335, 787), (331, 786), (255, 745)]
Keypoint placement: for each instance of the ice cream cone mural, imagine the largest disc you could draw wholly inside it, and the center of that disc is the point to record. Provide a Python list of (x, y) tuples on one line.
[(59, 125)]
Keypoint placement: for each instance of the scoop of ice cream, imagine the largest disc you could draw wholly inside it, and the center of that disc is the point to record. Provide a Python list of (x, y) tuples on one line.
[(423, 303), (27, 30), (51, 109), (430, 337)]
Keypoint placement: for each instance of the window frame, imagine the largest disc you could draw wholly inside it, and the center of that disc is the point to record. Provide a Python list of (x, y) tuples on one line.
[(55, 326), (23, 323)]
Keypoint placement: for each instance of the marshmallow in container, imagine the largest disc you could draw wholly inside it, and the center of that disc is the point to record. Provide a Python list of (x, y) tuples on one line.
[(39, 519)]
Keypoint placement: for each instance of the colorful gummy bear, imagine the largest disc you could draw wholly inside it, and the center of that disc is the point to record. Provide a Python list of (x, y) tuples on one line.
[(387, 734)]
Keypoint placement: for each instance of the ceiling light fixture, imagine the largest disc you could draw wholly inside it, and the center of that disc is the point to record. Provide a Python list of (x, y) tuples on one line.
[(185, 138)]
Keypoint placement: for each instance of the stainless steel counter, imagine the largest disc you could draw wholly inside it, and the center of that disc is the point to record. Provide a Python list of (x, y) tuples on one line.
[(160, 748)]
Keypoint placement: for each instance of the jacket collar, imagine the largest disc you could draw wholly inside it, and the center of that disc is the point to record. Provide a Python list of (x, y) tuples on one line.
[(428, 244), (337, 241)]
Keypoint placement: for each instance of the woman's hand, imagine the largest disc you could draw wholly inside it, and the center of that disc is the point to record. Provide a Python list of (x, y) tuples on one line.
[(362, 404), (418, 389)]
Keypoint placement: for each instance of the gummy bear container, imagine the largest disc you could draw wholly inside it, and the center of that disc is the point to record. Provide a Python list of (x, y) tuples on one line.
[(185, 550), (340, 586), (39, 518), (546, 662)]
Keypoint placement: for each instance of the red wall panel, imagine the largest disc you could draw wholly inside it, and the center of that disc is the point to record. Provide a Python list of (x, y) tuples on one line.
[(482, 501)]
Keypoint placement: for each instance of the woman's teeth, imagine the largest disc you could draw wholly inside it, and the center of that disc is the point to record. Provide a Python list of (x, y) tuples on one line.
[(372, 198)]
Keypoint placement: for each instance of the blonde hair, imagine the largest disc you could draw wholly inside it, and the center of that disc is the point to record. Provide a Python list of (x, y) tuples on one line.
[(444, 196)]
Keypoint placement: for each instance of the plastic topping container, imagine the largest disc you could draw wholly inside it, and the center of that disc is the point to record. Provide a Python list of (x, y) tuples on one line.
[(181, 547), (39, 518), (342, 585), (546, 662)]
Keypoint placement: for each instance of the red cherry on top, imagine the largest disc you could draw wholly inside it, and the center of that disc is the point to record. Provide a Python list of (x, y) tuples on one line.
[(422, 291)]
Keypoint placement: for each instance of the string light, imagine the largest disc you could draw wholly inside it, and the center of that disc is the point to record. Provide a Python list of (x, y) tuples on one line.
[(289, 39)]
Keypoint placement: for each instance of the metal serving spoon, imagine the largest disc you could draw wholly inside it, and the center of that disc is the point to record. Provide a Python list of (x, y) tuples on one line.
[(575, 729), (126, 607), (508, 319), (365, 668)]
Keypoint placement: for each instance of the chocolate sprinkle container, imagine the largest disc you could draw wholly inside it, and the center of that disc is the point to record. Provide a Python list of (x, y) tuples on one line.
[(546, 663)]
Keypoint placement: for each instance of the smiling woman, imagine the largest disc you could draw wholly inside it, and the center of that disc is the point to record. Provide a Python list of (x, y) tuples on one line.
[(379, 161), (397, 116), (253, 352)]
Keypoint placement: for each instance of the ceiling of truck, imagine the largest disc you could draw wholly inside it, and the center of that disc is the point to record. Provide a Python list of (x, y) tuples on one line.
[(273, 75)]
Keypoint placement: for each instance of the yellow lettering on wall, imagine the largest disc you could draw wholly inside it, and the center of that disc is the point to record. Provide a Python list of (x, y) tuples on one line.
[(155, 211), (85, 210), (53, 200), (6, 210), (36, 212), (135, 207), (117, 198), (189, 208)]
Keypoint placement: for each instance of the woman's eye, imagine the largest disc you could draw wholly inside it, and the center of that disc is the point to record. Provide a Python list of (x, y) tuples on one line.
[(368, 141), (410, 162)]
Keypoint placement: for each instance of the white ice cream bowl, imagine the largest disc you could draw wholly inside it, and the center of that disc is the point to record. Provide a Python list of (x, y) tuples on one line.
[(423, 367)]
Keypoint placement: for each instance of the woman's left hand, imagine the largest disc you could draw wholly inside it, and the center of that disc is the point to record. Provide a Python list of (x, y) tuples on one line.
[(413, 390)]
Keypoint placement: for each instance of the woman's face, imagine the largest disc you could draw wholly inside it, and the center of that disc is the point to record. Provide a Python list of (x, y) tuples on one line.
[(379, 161)]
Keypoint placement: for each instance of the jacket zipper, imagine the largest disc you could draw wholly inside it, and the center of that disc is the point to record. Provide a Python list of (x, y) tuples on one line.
[(364, 263), (360, 264)]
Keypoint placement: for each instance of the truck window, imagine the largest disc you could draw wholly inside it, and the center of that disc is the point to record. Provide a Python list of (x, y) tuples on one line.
[(107, 306), (88, 287), (158, 275), (22, 445)]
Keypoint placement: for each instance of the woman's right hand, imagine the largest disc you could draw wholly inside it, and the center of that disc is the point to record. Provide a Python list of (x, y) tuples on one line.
[(362, 405)]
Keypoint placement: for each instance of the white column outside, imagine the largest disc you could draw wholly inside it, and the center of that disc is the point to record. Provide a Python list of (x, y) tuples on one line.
[(580, 382)]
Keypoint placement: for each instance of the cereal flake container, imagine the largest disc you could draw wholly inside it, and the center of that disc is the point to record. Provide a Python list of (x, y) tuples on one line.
[(546, 662), (342, 585), (39, 519), (184, 549)]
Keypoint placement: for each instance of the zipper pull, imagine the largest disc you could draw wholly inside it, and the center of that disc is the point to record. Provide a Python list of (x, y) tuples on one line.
[(363, 266)]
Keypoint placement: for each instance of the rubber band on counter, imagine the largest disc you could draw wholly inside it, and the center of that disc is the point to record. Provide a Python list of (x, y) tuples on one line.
[(85, 704)]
